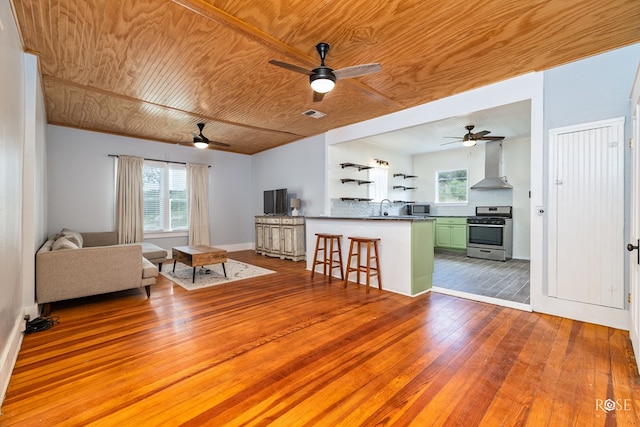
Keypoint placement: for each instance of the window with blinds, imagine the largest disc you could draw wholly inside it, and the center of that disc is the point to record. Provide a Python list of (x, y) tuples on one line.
[(165, 197)]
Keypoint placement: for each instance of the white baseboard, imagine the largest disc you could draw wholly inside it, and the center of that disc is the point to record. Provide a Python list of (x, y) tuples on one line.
[(9, 356)]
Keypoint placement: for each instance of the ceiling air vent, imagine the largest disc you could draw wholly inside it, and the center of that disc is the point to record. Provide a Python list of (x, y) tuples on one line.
[(313, 113)]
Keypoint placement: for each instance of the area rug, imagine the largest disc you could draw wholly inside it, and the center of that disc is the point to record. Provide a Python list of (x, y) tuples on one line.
[(236, 270)]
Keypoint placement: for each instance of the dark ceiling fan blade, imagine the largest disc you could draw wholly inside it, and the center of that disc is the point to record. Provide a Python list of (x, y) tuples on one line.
[(490, 138), (208, 141), (218, 143), (357, 71), (201, 138), (290, 67), (479, 134), (317, 96)]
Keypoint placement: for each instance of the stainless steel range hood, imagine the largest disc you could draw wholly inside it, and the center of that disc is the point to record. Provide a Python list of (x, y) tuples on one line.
[(493, 179)]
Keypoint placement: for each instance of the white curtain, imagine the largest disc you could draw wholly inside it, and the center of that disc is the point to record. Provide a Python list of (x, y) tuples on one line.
[(198, 189), (129, 200)]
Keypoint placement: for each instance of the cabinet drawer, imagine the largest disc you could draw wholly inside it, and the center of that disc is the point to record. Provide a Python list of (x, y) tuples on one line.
[(271, 221), (451, 220), (291, 220)]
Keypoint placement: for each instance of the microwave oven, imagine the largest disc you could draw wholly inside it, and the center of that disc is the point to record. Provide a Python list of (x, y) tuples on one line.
[(418, 209)]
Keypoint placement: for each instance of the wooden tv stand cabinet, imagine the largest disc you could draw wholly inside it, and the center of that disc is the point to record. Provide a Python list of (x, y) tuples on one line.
[(280, 236)]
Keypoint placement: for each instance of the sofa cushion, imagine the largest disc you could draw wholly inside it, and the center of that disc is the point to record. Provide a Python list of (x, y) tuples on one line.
[(72, 236), (148, 269), (99, 238), (151, 252), (63, 243)]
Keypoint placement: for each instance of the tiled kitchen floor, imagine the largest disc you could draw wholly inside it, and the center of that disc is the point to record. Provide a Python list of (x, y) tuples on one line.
[(505, 280)]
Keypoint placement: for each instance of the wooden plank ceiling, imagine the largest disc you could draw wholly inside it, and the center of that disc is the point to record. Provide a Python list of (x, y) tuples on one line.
[(153, 69)]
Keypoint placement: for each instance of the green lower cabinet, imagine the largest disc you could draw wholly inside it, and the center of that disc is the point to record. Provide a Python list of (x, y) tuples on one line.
[(459, 237), (421, 256), (443, 236), (451, 233)]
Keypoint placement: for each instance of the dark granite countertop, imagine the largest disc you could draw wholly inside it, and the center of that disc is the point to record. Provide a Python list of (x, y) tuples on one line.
[(377, 218)]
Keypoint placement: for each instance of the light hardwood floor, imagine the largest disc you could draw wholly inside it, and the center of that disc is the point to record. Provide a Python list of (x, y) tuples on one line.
[(285, 350)]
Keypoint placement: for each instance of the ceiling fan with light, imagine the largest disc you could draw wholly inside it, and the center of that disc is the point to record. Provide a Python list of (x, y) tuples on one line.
[(323, 79), (201, 141), (471, 139)]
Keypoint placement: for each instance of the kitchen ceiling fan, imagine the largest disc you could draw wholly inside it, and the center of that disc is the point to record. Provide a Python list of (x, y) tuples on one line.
[(201, 141), (323, 78), (471, 139)]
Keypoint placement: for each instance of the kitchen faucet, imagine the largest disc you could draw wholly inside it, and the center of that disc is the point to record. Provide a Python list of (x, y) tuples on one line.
[(381, 202)]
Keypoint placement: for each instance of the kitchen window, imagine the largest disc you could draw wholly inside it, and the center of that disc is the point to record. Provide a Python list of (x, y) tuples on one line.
[(451, 186), (379, 187), (164, 187)]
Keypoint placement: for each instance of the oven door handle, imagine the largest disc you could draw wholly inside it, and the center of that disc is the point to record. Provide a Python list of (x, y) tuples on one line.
[(486, 225)]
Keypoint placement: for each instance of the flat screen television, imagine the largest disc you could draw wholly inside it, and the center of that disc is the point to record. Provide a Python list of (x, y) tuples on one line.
[(275, 202)]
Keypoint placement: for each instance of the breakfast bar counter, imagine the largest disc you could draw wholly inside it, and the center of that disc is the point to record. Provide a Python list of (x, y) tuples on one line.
[(406, 247)]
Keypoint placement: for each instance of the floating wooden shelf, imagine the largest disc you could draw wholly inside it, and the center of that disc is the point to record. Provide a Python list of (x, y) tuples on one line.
[(357, 181), (402, 187), (404, 175), (355, 165), (354, 199)]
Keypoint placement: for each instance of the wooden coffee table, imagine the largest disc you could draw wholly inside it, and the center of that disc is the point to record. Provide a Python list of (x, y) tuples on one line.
[(198, 256)]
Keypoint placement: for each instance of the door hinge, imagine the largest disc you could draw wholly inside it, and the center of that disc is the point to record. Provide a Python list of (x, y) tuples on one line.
[(629, 297)]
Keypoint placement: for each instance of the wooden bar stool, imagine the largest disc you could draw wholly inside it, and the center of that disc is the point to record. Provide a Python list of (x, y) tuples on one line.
[(329, 251), (357, 243)]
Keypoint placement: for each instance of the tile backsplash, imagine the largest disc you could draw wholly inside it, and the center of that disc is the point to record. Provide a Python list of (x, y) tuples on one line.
[(476, 198), (353, 208)]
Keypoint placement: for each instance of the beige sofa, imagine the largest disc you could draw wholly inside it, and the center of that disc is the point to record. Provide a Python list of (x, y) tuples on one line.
[(73, 265)]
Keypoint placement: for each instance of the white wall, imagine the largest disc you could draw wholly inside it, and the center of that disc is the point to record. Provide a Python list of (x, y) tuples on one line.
[(11, 140), (299, 167), (363, 153), (34, 208), (516, 167), (426, 165), (22, 189), (82, 175)]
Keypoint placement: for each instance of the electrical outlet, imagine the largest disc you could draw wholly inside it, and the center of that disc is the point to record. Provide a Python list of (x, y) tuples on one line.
[(23, 324)]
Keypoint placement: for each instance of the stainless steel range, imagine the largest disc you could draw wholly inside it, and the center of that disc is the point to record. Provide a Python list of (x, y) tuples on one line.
[(490, 233)]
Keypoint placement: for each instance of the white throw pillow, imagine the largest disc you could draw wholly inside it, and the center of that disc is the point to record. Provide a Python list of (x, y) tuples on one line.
[(73, 236), (63, 243)]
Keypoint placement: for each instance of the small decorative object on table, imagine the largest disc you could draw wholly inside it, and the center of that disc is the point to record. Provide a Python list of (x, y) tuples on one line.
[(295, 207)]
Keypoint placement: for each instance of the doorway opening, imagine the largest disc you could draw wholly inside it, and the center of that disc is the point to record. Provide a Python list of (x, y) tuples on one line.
[(459, 275)]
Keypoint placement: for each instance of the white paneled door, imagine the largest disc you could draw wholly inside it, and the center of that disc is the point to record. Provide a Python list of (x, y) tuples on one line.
[(586, 213), (634, 234)]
